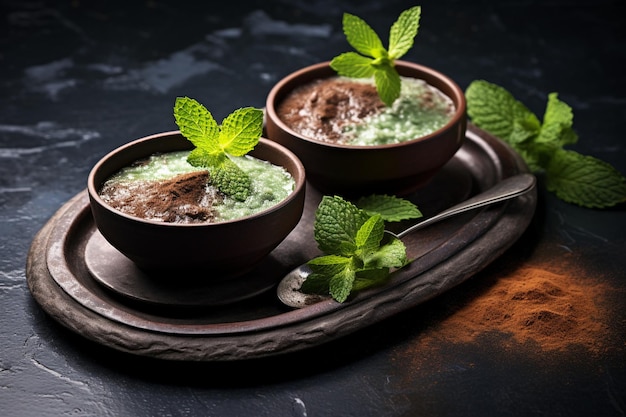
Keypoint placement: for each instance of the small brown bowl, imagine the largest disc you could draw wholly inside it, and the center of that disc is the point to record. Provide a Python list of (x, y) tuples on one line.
[(357, 170), (217, 250)]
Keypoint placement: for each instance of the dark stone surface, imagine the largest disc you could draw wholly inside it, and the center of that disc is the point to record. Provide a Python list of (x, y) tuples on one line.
[(78, 79)]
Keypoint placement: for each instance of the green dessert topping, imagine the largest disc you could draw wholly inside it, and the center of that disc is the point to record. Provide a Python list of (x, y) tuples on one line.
[(371, 58)]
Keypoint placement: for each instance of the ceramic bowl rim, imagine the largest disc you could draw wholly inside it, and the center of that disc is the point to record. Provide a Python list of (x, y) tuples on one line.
[(299, 178)]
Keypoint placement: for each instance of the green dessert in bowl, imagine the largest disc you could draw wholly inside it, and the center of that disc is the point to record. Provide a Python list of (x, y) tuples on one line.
[(165, 187), (210, 199), (367, 122), (348, 111)]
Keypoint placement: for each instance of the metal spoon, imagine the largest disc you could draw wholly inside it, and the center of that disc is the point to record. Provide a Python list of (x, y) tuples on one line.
[(511, 187)]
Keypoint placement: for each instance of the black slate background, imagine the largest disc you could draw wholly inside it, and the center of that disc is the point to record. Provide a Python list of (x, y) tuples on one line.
[(80, 78)]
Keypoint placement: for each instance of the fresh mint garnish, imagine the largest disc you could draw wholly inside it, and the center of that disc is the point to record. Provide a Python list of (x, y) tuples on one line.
[(371, 58), (574, 178), (391, 208), (238, 134), (356, 255)]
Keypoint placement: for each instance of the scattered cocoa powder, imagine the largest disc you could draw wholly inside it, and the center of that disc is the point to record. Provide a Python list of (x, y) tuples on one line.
[(552, 310), (181, 199), (534, 313), (549, 307), (321, 109)]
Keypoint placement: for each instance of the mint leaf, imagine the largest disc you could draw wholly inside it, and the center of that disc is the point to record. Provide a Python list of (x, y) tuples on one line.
[(332, 275), (240, 131), (361, 36), (536, 156), (196, 123), (574, 178), (524, 129), (351, 64), (200, 158), (393, 254), (584, 180), (495, 109), (336, 225), (322, 269), (341, 284), (403, 31), (391, 208), (369, 235), (318, 283), (328, 264), (557, 123), (375, 60), (387, 84)]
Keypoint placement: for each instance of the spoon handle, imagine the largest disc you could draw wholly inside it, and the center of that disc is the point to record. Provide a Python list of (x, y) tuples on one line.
[(504, 190)]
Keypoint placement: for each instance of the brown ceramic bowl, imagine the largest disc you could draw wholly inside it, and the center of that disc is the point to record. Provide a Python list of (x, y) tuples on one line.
[(221, 249), (349, 169)]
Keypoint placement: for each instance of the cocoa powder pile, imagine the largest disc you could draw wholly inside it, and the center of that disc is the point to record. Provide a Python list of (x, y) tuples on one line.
[(181, 199), (321, 109), (538, 307), (534, 305)]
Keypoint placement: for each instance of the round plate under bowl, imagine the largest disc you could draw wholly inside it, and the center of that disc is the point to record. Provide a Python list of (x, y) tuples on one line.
[(119, 274)]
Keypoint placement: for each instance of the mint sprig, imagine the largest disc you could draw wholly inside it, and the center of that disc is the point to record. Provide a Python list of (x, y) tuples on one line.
[(238, 134), (574, 178), (356, 255), (371, 58)]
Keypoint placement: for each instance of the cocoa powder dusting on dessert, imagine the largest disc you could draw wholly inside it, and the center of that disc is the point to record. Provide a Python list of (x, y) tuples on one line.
[(181, 199), (321, 109)]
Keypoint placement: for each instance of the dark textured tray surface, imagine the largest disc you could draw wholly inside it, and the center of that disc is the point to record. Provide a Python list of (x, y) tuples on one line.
[(258, 324)]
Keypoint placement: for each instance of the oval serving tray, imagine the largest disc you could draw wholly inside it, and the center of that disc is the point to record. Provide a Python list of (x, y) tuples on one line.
[(257, 324)]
